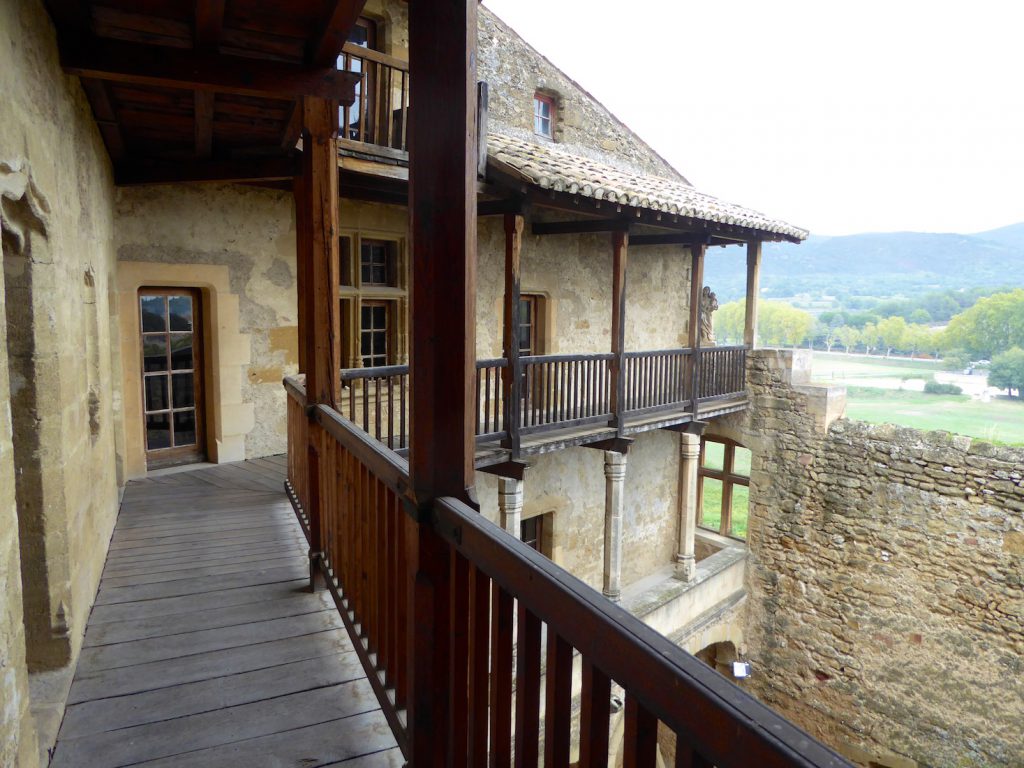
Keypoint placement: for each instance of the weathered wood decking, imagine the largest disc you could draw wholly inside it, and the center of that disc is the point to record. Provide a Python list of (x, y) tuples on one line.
[(205, 646)]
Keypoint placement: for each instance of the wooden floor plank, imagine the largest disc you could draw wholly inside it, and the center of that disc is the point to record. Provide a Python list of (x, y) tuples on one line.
[(101, 715), (280, 603), (217, 728), (205, 647), (312, 746), (132, 652)]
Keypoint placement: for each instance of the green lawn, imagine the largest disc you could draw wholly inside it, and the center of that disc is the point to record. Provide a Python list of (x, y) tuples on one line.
[(998, 421), (833, 367)]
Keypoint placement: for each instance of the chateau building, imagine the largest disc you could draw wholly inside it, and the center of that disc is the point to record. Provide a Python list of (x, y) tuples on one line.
[(537, 485)]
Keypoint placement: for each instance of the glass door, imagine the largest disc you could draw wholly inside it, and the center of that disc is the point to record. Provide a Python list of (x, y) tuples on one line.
[(172, 376)]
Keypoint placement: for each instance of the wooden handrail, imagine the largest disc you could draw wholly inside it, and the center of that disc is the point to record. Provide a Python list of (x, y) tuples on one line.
[(720, 721), (525, 359), (357, 51)]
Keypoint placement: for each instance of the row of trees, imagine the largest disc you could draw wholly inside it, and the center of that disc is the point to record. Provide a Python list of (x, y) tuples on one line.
[(990, 327)]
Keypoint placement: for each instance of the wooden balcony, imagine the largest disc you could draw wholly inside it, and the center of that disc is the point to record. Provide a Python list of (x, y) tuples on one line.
[(562, 400), (377, 121), (506, 624)]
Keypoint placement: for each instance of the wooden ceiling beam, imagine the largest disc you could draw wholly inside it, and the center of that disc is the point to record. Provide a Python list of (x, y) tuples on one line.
[(579, 227), (209, 24), (204, 123), (106, 117), (334, 27), (243, 170), (123, 62)]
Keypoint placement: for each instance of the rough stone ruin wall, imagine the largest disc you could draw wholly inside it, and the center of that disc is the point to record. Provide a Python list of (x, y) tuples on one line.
[(887, 611)]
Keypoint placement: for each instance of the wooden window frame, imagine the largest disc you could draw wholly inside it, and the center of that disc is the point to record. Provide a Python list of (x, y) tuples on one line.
[(157, 458), (389, 330), (390, 263), (539, 97), (727, 476), (536, 302), (544, 523)]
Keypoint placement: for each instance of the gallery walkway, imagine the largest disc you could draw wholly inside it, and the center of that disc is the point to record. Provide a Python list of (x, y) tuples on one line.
[(205, 646)]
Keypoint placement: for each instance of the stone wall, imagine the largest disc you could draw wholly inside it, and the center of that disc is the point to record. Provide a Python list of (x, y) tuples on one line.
[(59, 268), (570, 486), (515, 71), (886, 610)]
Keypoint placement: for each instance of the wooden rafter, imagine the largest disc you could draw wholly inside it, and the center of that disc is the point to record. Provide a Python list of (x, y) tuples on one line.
[(204, 123), (195, 70), (209, 24), (577, 227), (106, 117), (338, 19), (240, 170)]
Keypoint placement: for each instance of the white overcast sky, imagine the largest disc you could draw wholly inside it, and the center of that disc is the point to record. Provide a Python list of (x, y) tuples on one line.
[(837, 116)]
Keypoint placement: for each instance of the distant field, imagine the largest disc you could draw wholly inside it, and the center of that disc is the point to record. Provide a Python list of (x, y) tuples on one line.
[(999, 421), (837, 367)]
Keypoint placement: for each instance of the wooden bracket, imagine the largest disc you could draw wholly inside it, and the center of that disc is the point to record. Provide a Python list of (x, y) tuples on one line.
[(513, 470), (615, 444)]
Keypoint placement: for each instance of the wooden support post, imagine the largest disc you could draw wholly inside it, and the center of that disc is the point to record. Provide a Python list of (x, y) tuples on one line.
[(620, 245), (317, 216), (316, 223), (512, 380), (753, 283), (442, 225), (696, 284)]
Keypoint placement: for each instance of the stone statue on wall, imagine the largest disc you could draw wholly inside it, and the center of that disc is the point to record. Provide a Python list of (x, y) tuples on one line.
[(708, 305)]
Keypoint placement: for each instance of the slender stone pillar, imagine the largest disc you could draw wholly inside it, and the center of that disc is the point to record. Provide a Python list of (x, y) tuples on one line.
[(615, 478), (689, 457), (510, 504)]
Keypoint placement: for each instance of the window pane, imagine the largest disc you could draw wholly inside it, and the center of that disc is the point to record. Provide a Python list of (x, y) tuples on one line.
[(365, 316), (184, 428), (154, 313), (379, 317), (711, 509), (156, 393), (714, 455), (154, 353), (158, 431), (740, 510), (345, 252), (365, 344), (181, 351), (181, 312), (741, 462), (183, 389)]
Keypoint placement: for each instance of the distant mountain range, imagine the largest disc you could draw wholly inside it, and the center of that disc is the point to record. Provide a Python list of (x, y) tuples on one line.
[(880, 264)]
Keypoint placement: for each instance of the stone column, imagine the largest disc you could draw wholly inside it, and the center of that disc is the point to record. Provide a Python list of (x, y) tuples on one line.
[(615, 477), (689, 458), (510, 504)]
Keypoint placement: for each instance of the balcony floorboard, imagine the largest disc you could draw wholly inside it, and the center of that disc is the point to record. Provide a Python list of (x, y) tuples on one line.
[(205, 646)]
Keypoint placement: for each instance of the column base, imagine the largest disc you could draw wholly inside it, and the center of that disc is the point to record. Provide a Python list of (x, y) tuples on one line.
[(614, 597), (685, 567)]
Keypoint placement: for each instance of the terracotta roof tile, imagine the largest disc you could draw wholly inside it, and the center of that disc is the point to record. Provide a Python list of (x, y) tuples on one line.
[(550, 167)]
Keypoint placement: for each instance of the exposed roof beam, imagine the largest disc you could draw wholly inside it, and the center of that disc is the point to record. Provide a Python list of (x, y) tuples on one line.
[(106, 118), (209, 24), (500, 207), (196, 70), (336, 23), (577, 227), (168, 172), (204, 123)]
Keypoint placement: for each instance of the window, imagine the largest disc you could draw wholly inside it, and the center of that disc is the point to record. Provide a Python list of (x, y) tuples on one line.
[(374, 329), (535, 533), (529, 322), (543, 115), (376, 262), (723, 488)]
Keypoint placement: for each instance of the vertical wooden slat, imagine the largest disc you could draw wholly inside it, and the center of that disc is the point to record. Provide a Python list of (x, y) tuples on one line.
[(458, 682), (479, 656), (391, 412), (640, 738), (501, 678), (595, 708), (527, 689), (510, 340), (558, 709)]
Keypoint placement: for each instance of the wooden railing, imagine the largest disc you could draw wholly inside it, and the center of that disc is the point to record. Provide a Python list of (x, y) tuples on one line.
[(553, 391), (502, 600), (656, 380), (564, 390), (722, 372), (380, 112)]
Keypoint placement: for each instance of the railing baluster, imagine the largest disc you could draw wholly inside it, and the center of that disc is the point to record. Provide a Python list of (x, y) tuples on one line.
[(458, 676), (501, 678), (527, 689), (640, 739), (558, 709), (476, 421), (479, 643), (595, 708)]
